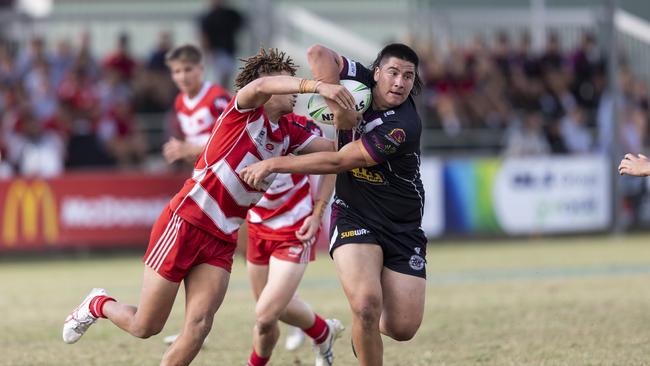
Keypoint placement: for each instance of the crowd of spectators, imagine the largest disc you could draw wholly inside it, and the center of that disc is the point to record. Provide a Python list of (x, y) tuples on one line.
[(553, 101), (62, 107)]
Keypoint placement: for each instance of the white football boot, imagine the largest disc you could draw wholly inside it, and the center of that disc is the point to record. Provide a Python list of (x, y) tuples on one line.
[(295, 338), (78, 322), (324, 354)]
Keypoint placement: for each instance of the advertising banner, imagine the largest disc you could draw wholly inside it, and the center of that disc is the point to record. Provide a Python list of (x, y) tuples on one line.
[(90, 209), (558, 194)]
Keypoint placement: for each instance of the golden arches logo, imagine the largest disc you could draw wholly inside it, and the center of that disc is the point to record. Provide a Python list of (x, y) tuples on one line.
[(25, 198)]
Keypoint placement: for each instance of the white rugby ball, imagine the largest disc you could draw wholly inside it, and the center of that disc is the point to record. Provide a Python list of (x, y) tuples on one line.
[(320, 112)]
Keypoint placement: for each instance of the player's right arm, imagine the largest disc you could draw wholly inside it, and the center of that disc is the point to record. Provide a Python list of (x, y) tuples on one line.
[(259, 91), (352, 155), (636, 165), (326, 66)]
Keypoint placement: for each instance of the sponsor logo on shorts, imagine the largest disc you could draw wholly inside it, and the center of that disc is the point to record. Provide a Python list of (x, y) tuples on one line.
[(295, 251), (416, 262), (368, 176), (397, 136), (352, 233)]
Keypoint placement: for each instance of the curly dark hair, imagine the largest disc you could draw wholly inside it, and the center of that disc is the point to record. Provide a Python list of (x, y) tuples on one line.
[(264, 62)]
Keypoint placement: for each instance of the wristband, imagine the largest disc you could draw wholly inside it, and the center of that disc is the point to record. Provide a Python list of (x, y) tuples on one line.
[(307, 86)]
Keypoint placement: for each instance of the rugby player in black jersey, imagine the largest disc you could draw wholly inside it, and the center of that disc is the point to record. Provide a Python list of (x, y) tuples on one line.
[(377, 241)]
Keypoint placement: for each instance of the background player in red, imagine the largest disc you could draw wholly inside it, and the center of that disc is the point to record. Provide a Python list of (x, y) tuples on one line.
[(197, 106), (194, 238), (282, 228)]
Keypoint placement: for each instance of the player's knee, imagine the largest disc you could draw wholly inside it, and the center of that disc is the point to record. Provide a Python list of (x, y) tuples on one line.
[(199, 326), (401, 331), (265, 323), (368, 310), (402, 334)]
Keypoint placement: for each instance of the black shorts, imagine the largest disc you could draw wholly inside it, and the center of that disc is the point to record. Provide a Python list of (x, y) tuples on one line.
[(404, 252)]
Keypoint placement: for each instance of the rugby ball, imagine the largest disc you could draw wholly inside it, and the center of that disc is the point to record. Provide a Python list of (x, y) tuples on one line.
[(320, 112)]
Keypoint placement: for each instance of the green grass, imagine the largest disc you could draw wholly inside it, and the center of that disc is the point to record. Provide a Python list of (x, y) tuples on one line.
[(577, 301)]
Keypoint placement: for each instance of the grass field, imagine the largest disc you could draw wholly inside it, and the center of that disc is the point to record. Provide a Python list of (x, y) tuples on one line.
[(577, 301)]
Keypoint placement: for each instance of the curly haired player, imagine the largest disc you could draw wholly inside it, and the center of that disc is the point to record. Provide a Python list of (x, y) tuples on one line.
[(194, 238)]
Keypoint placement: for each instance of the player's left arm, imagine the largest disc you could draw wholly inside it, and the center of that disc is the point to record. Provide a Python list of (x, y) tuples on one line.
[(352, 155)]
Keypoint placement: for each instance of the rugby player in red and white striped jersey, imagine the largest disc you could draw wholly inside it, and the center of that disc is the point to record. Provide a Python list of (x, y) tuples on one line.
[(197, 106), (281, 230), (194, 238)]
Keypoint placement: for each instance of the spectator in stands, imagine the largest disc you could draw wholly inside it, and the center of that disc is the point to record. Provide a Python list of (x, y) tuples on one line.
[(526, 138), (36, 52), (587, 63), (40, 89), (552, 58), (34, 150), (117, 130), (8, 72), (156, 61), (84, 59), (575, 135), (502, 53), (154, 89), (121, 60), (218, 28)]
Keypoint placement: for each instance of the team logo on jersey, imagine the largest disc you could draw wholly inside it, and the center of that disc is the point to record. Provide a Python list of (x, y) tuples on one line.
[(382, 147), (269, 147), (352, 233), (368, 176), (397, 136), (416, 262)]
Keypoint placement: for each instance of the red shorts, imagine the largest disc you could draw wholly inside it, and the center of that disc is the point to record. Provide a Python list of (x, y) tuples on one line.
[(176, 246), (259, 250)]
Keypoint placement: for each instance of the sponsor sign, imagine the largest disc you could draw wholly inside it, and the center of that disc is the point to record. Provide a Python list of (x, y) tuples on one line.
[(538, 195), (82, 210), (553, 195)]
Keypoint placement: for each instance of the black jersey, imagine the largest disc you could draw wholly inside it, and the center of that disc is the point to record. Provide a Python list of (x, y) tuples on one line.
[(389, 194)]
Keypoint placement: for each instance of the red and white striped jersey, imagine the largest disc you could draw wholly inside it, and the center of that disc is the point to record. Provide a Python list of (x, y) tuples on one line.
[(196, 116), (215, 199), (287, 202)]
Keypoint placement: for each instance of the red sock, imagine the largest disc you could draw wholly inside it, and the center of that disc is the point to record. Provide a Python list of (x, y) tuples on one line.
[(319, 331), (256, 360), (97, 304)]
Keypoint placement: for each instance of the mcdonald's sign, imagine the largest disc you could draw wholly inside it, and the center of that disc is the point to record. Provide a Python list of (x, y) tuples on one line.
[(26, 203)]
